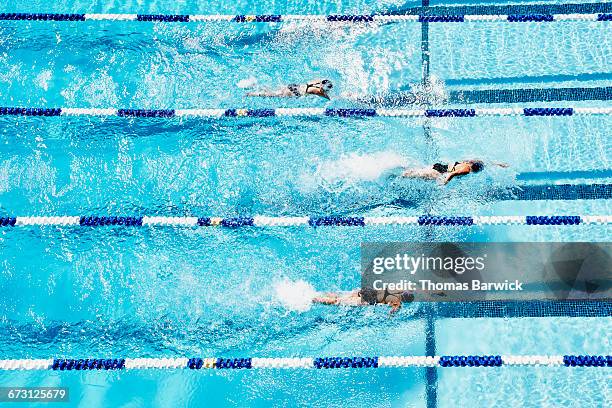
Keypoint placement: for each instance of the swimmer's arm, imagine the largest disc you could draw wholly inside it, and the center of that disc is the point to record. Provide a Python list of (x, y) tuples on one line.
[(261, 94), (499, 164), (455, 174), (395, 306), (328, 299), (264, 93)]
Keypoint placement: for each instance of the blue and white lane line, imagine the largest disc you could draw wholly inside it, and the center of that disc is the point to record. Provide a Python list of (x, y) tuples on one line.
[(335, 18), (312, 221), (307, 363), (306, 112)]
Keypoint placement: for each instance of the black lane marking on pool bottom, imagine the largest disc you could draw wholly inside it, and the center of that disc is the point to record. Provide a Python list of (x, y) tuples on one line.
[(556, 192), (510, 9), (431, 373), (531, 95), (516, 308), (533, 79), (547, 175)]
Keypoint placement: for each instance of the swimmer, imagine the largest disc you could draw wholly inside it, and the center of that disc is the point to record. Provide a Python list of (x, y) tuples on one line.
[(318, 87), (366, 297), (445, 172)]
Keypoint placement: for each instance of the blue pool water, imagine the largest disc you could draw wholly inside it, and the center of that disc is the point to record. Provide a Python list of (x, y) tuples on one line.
[(140, 292)]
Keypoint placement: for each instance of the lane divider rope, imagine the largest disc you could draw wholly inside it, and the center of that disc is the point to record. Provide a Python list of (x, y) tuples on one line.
[(313, 221), (306, 112), (307, 363), (335, 18)]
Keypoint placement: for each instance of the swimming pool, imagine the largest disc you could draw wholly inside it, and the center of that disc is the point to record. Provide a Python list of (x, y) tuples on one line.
[(124, 292)]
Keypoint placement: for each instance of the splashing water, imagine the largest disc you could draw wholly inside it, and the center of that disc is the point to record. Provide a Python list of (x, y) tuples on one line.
[(296, 296), (247, 83), (433, 93), (338, 175)]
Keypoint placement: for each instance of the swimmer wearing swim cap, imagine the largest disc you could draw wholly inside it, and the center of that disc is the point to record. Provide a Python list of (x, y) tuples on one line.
[(367, 297), (317, 87), (446, 172)]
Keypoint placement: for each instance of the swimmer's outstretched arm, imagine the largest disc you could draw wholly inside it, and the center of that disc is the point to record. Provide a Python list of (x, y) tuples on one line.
[(345, 299), (264, 93), (498, 164), (422, 173), (395, 306), (454, 174), (327, 299)]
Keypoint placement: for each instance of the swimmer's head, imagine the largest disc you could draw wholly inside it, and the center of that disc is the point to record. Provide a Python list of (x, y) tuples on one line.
[(324, 84), (476, 166), (369, 295), (407, 297)]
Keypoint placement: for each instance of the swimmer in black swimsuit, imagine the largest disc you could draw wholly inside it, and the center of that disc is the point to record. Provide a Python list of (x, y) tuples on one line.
[(445, 172), (368, 297), (318, 87)]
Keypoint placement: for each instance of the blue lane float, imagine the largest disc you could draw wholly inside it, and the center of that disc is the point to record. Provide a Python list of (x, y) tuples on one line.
[(587, 361), (217, 113), (346, 362), (233, 363), (331, 221), (254, 113), (317, 363), (88, 364), (8, 221), (41, 17), (471, 361), (554, 220), (443, 113), (422, 15), (261, 18), (350, 113), (9, 111), (442, 220), (441, 19), (237, 222), (219, 363), (167, 18), (548, 111), (146, 113), (103, 221), (530, 18), (313, 221), (353, 18)]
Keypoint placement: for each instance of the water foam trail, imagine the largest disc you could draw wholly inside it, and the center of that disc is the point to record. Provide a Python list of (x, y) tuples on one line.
[(348, 170), (294, 295), (247, 83)]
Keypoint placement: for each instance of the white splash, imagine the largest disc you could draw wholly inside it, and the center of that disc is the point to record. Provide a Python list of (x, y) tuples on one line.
[(296, 295), (348, 170), (247, 83), (433, 93), (42, 80)]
